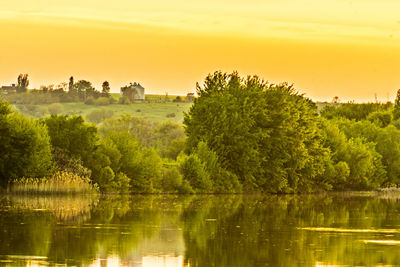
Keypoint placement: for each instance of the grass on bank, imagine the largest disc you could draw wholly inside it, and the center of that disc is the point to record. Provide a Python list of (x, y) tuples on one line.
[(154, 111), (58, 183)]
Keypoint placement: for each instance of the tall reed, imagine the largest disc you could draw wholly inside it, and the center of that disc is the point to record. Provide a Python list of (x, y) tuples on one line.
[(58, 183)]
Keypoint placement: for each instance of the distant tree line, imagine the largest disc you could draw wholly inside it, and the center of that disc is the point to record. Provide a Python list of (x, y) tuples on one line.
[(80, 91), (240, 135)]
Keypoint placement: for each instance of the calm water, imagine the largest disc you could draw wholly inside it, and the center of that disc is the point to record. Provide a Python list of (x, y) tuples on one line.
[(323, 230)]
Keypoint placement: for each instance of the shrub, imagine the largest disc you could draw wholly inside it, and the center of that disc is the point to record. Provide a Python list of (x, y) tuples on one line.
[(175, 148), (56, 108), (24, 147), (66, 163), (177, 99), (73, 135), (171, 180), (194, 171), (99, 115), (42, 111), (124, 100), (102, 101), (382, 119), (90, 101), (265, 134)]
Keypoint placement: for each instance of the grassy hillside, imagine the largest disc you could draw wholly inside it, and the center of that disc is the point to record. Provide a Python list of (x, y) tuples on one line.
[(154, 111)]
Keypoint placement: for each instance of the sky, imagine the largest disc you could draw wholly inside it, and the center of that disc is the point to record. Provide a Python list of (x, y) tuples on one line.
[(349, 49)]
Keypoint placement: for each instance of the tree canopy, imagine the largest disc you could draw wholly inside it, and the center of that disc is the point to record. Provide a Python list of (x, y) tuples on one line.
[(265, 134)]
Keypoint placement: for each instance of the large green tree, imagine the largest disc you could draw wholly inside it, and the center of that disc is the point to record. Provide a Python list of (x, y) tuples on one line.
[(105, 89), (73, 135), (84, 89), (265, 134), (25, 149), (23, 83)]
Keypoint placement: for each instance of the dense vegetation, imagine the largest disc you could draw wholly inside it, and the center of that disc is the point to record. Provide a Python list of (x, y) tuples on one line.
[(240, 135), (272, 139)]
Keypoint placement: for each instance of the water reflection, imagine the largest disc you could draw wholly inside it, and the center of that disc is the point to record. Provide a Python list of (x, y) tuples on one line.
[(227, 230)]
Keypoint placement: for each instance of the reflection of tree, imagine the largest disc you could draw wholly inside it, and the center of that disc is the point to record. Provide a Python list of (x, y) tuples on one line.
[(25, 232), (226, 230), (267, 229)]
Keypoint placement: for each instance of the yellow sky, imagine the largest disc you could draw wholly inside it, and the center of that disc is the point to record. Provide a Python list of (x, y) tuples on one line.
[(326, 48)]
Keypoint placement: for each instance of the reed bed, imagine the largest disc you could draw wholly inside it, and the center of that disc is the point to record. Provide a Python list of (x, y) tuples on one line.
[(58, 183)]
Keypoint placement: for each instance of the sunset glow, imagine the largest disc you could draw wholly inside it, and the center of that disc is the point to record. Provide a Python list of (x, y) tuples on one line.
[(326, 48)]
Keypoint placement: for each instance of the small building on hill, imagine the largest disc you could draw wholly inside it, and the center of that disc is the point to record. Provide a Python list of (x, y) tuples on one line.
[(134, 91), (6, 89)]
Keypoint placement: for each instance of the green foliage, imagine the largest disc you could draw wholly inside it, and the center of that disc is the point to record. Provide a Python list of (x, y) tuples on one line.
[(73, 135), (194, 171), (124, 100), (99, 115), (396, 110), (223, 180), (102, 101), (42, 111), (5, 108), (23, 83), (147, 132), (84, 89), (65, 163), (24, 145), (55, 108), (142, 166), (175, 148), (265, 134), (171, 115), (382, 119), (105, 89), (353, 111), (90, 100), (354, 154), (171, 180), (386, 142)]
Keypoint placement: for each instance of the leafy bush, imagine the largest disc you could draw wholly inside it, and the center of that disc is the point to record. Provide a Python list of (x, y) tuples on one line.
[(24, 145), (90, 101), (267, 135), (73, 135), (99, 115), (102, 101), (55, 108), (42, 111), (354, 111), (194, 171), (171, 180), (124, 100), (382, 119), (175, 148), (65, 163)]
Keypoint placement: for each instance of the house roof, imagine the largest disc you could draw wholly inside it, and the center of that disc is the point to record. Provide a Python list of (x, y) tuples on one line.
[(138, 86)]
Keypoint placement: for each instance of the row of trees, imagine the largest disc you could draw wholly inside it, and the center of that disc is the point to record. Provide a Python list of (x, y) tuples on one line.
[(126, 154), (72, 91), (272, 139), (241, 134)]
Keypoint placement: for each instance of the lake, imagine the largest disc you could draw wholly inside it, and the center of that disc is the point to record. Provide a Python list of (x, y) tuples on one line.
[(342, 229)]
